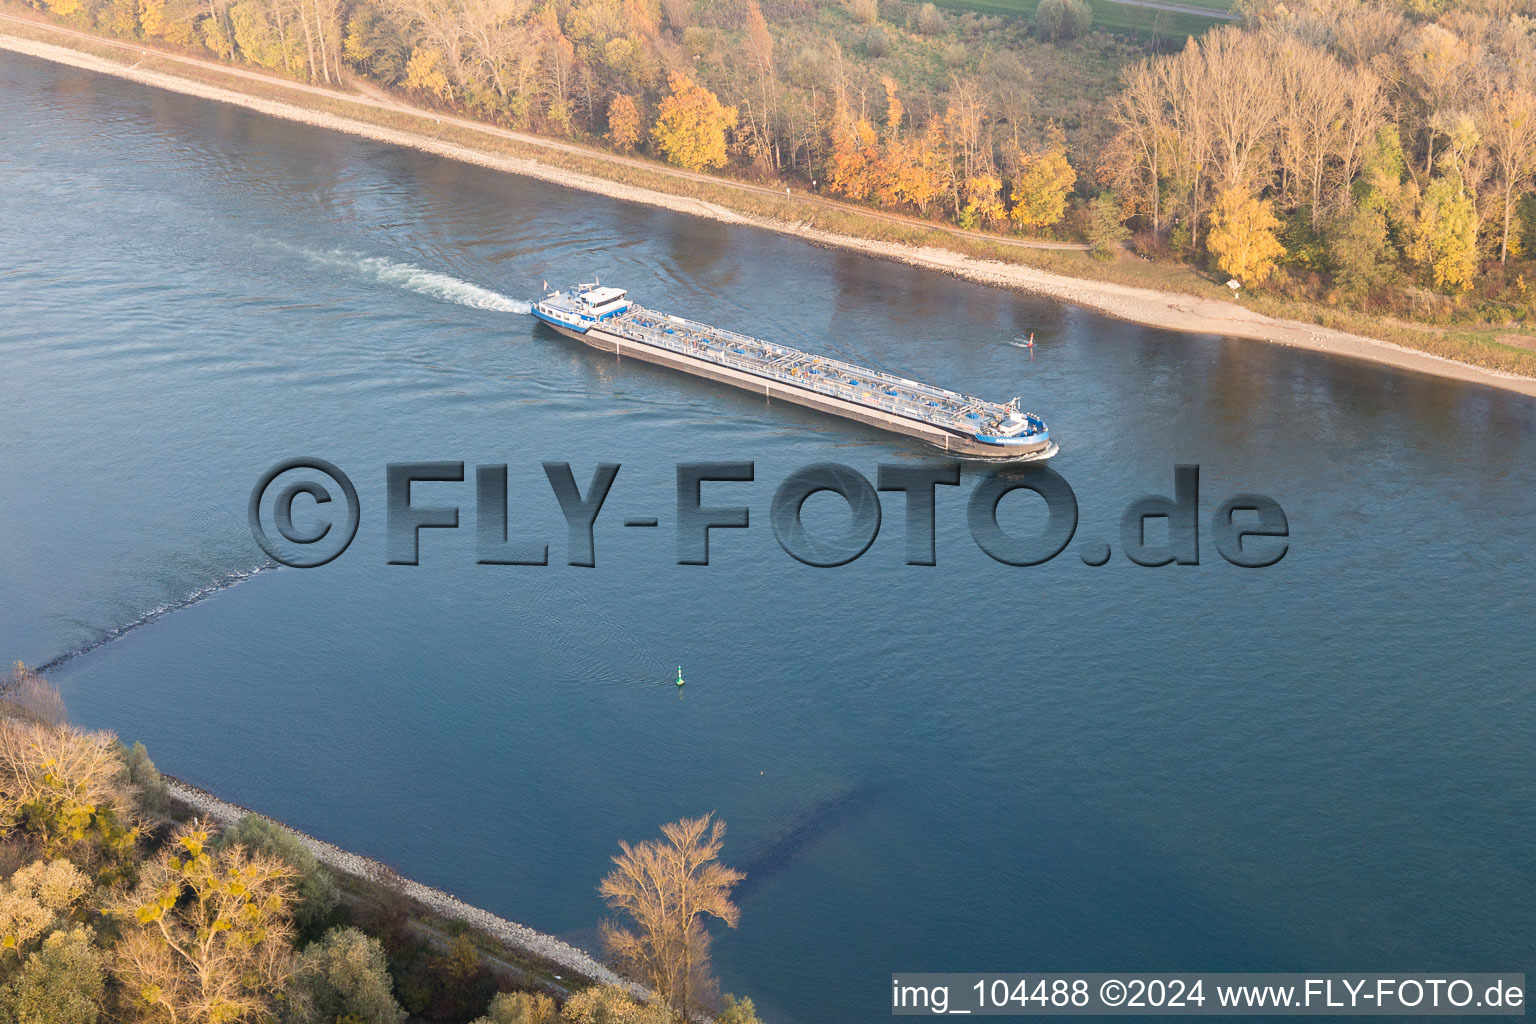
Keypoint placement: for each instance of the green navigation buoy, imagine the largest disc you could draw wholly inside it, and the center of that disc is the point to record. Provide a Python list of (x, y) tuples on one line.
[(679, 675)]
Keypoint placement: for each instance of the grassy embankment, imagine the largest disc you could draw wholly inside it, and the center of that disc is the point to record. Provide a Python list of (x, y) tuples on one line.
[(1504, 348)]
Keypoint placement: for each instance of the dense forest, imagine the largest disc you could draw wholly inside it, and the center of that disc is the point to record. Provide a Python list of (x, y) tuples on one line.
[(1375, 153)]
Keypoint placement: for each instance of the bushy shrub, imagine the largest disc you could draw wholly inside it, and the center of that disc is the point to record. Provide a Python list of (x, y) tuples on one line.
[(1063, 19), (606, 1004), (737, 1011), (1106, 233), (26, 695), (520, 1008), (928, 21), (149, 787), (865, 12), (344, 975), (61, 983), (453, 985)]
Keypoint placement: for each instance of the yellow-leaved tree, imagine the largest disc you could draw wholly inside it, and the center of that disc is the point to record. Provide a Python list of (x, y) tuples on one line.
[(983, 201), (854, 168), (691, 124), (1242, 236), (206, 934), (1040, 189), (667, 888), (424, 72), (623, 122), (924, 168), (164, 19), (1445, 237)]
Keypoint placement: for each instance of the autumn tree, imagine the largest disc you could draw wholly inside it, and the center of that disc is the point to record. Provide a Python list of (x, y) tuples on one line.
[(150, 792), (425, 72), (854, 167), (1435, 61), (372, 45), (865, 12), (924, 168), (1242, 236), (1313, 85), (691, 124), (1236, 72), (1445, 235), (206, 934), (498, 43), (1041, 187), (667, 889), (559, 68), (1190, 115), (166, 19), (624, 122), (965, 128), (314, 887), (982, 194), (928, 21), (737, 1011), (67, 790), (26, 695)]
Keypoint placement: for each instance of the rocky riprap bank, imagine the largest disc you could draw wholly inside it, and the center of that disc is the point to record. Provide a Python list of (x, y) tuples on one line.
[(515, 936)]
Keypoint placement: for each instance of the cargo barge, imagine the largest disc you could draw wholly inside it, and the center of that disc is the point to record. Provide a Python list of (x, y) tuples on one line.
[(607, 319)]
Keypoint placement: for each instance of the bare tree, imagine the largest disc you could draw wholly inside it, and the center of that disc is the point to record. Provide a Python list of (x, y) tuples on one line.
[(1436, 63), (497, 34), (1140, 112), (668, 888), (1315, 102), (1509, 125), (1363, 115), (760, 56), (1245, 105)]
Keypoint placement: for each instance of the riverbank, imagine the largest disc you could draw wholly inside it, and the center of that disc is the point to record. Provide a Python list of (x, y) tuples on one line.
[(986, 260), (519, 938), (577, 965)]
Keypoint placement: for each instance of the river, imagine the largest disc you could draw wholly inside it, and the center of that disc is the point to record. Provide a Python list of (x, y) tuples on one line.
[(1326, 764)]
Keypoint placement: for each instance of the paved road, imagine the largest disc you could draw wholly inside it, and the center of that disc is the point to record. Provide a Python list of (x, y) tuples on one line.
[(371, 96)]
